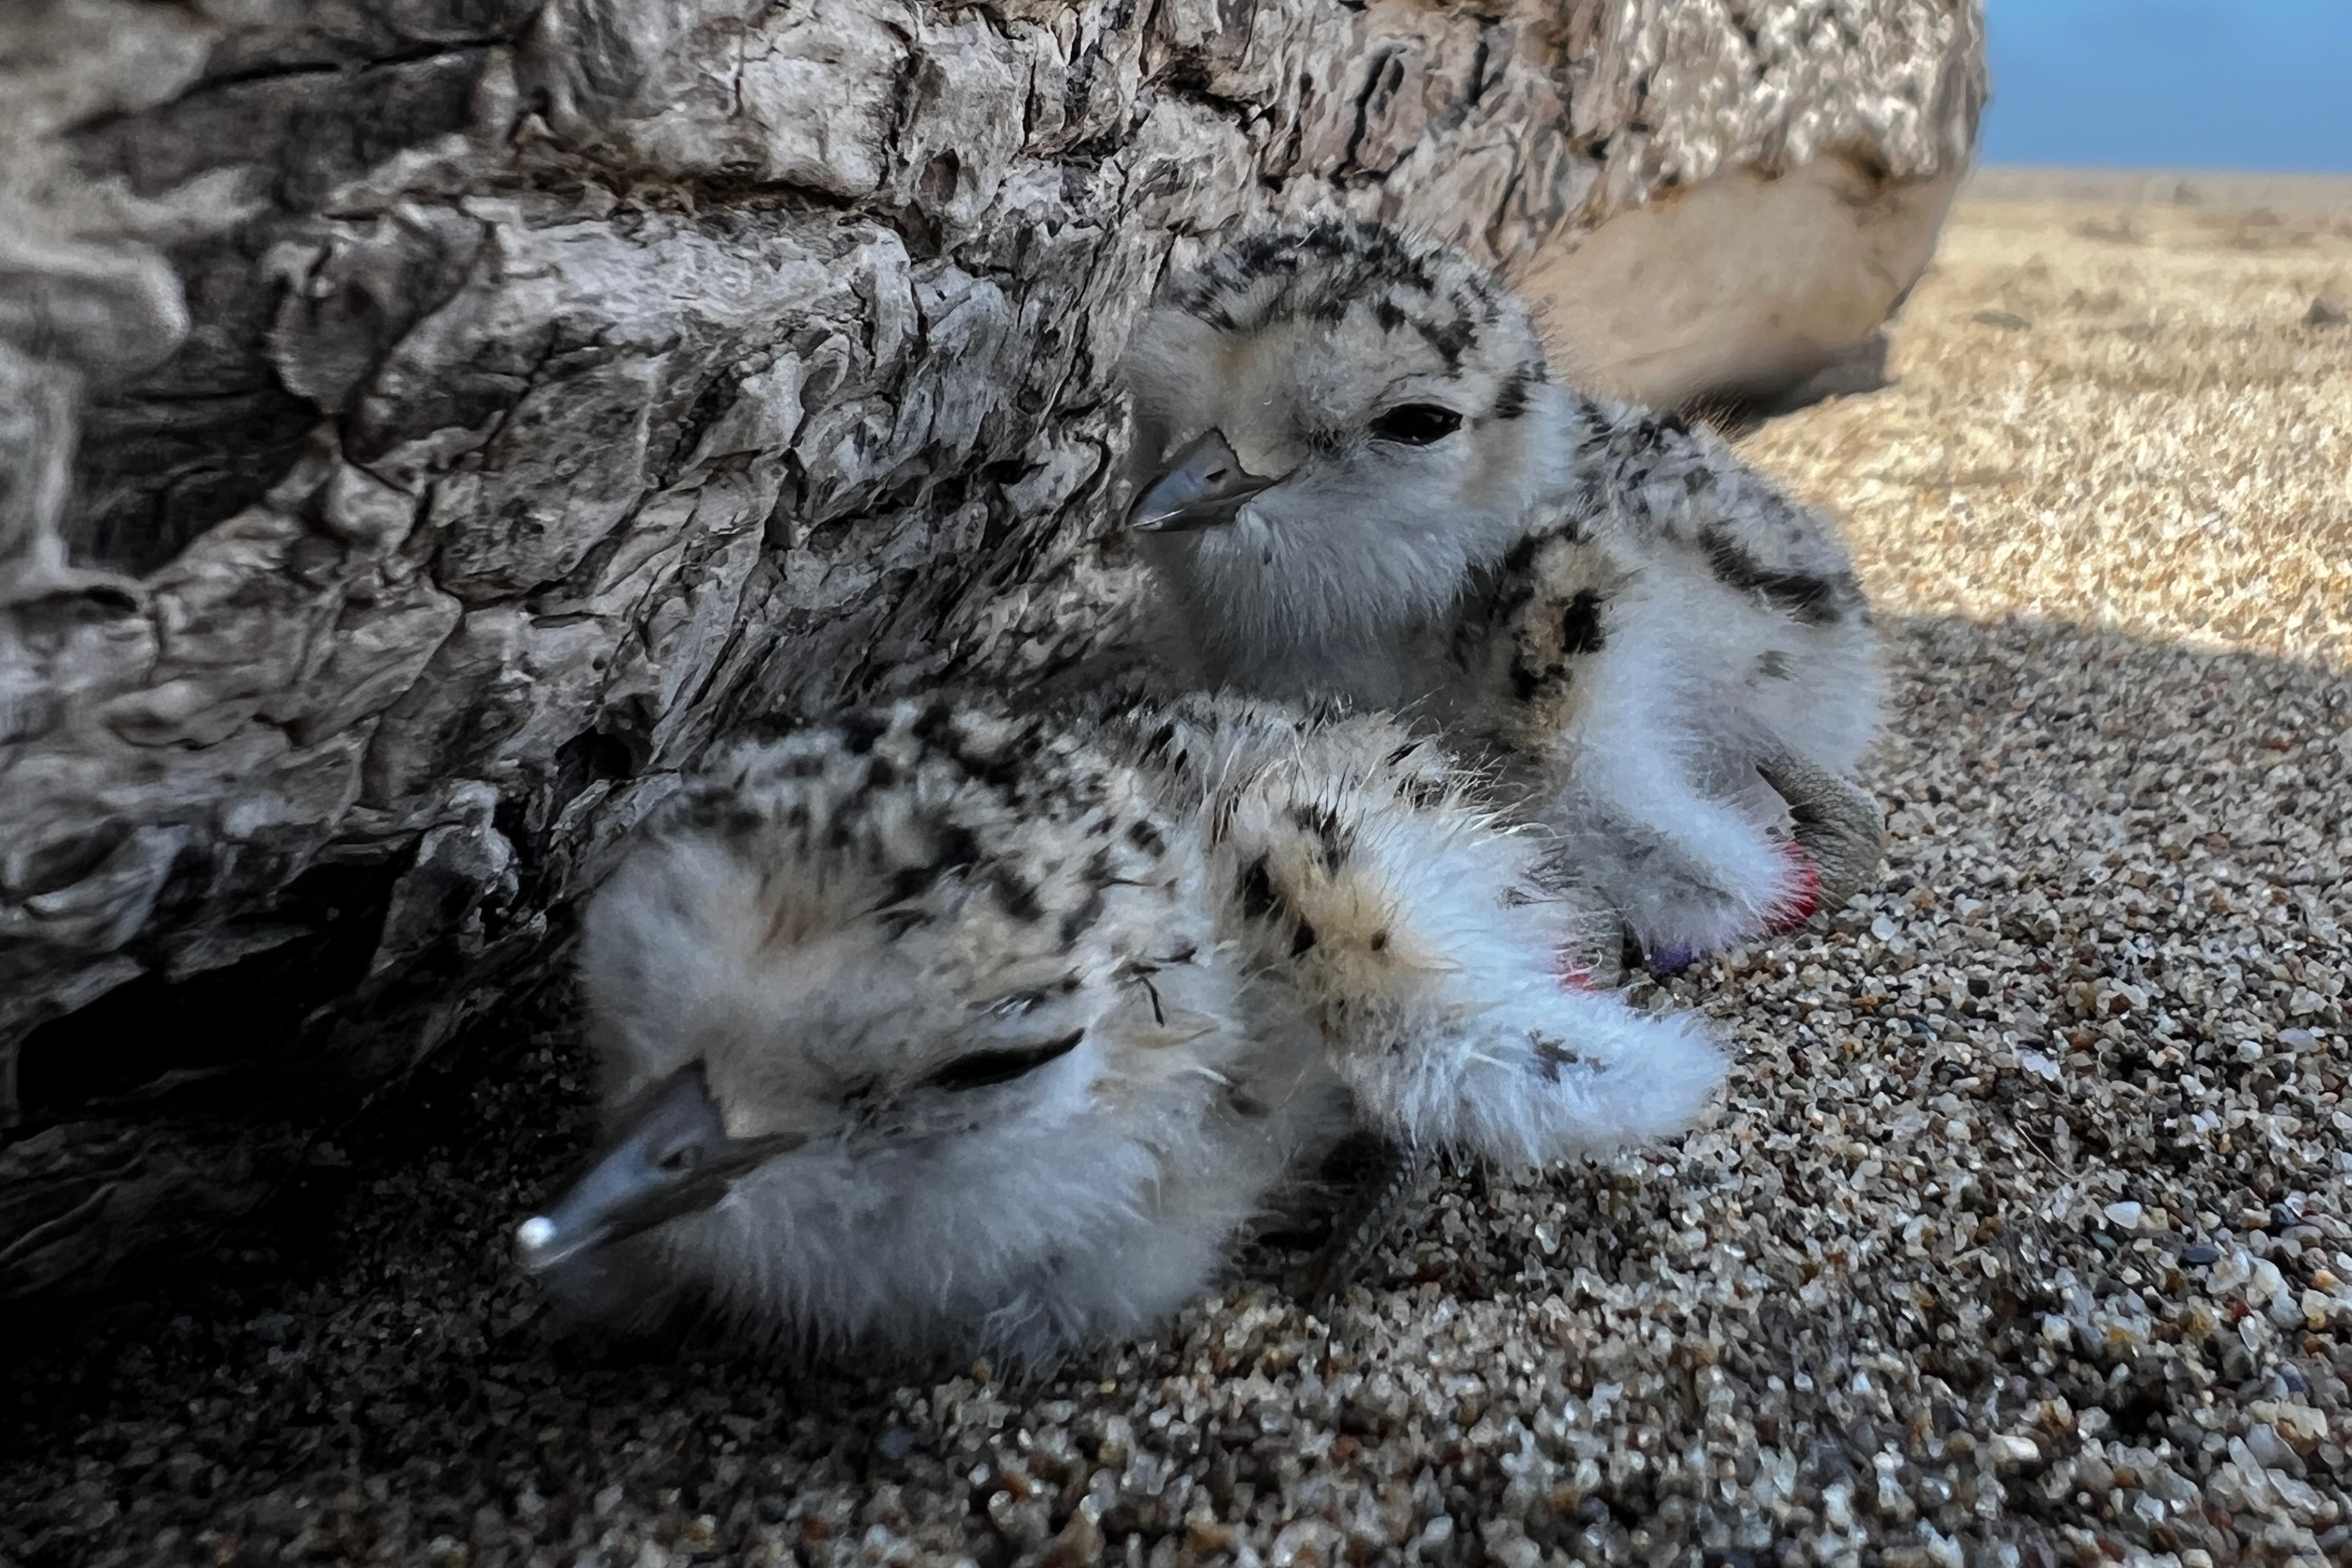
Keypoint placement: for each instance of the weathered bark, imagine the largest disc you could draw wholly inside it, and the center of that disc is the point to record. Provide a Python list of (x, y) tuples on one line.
[(427, 423)]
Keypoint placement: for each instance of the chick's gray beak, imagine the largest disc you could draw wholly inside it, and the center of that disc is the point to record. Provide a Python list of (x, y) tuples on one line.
[(1205, 488), (672, 1159)]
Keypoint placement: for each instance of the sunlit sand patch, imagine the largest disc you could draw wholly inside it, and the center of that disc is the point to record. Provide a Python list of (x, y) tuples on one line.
[(2133, 412)]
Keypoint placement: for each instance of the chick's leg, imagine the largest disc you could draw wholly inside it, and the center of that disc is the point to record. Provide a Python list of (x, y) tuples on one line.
[(1689, 872), (1389, 1182), (1840, 826)]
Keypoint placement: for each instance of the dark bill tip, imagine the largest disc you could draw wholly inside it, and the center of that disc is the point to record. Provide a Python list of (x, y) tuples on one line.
[(1205, 487), (673, 1158)]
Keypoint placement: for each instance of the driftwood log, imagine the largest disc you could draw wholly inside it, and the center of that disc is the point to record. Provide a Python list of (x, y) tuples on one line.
[(425, 423)]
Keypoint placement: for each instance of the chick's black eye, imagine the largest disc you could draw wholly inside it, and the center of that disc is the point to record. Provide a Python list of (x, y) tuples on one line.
[(1416, 423), (980, 1069)]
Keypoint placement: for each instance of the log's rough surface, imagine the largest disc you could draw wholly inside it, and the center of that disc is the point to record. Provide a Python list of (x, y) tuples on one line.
[(424, 424)]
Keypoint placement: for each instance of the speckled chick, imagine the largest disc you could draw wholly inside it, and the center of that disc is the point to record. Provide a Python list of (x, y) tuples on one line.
[(948, 1030), (1356, 477)]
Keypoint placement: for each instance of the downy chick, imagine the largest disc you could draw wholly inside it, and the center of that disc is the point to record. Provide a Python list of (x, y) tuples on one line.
[(1356, 477), (948, 1030)]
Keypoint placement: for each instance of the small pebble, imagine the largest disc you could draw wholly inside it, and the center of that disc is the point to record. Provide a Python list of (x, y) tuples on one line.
[(2015, 1451)]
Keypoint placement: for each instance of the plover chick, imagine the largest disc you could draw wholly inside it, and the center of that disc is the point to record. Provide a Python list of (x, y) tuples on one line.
[(1355, 475), (948, 1028)]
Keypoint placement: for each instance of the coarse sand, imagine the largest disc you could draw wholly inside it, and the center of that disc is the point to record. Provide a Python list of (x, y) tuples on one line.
[(2025, 1234)]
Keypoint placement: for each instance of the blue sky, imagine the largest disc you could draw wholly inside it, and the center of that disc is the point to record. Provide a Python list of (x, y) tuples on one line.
[(2172, 84)]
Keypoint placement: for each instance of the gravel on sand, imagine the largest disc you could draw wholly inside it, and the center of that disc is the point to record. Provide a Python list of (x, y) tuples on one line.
[(2024, 1237)]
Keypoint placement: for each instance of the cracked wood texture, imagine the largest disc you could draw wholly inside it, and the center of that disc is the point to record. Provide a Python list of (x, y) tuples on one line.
[(425, 423)]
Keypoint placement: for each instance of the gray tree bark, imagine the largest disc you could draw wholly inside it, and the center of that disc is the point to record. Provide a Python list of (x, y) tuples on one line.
[(425, 423)]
